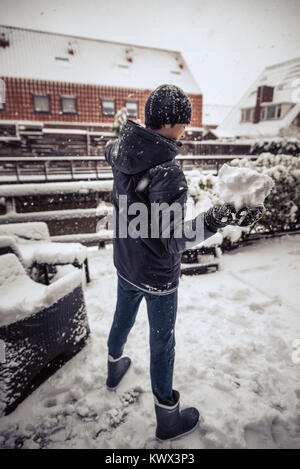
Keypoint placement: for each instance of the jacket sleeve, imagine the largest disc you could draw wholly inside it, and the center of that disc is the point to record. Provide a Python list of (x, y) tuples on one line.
[(168, 186), (111, 151)]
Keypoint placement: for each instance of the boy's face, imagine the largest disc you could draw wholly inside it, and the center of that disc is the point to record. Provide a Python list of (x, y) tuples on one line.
[(176, 132)]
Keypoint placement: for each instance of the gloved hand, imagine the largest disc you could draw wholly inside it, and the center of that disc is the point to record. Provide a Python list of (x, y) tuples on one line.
[(220, 216), (248, 215)]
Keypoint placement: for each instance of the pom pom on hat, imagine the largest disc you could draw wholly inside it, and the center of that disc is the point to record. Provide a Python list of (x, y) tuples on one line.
[(168, 104)]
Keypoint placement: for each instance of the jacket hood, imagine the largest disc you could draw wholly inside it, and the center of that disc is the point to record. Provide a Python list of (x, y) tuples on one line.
[(139, 149)]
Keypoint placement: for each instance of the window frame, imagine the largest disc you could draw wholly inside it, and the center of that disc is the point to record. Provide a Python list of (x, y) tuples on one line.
[(36, 95), (137, 108), (62, 107), (102, 109), (2, 95), (268, 109), (278, 108), (263, 113), (248, 115)]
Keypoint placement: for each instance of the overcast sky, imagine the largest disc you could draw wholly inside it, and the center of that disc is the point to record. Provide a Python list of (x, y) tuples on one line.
[(227, 43)]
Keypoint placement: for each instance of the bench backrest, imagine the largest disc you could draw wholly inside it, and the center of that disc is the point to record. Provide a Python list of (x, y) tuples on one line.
[(10, 269), (8, 244), (35, 231)]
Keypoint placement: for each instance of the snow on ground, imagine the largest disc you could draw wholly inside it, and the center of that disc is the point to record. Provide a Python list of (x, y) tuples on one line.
[(234, 345)]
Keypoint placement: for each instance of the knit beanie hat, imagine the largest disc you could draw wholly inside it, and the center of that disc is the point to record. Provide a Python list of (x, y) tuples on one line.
[(167, 104)]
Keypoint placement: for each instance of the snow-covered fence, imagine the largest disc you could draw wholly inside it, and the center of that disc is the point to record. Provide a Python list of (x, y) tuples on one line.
[(69, 208), (53, 168), (207, 162), (39, 139), (74, 168), (215, 147)]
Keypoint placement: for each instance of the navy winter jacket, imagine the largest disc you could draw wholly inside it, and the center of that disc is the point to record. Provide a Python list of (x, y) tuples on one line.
[(144, 170)]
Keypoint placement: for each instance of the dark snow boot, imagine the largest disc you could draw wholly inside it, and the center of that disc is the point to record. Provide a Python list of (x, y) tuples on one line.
[(116, 369), (171, 423)]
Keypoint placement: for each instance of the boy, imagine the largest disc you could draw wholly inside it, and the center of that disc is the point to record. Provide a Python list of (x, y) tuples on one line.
[(148, 265)]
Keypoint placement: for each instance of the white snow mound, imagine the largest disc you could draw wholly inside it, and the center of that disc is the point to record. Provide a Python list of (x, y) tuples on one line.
[(243, 186)]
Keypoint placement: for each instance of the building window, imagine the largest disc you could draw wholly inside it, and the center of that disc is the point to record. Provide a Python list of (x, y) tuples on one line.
[(2, 95), (271, 112), (263, 114), (132, 108), (68, 104), (108, 107), (41, 103), (248, 115), (278, 112)]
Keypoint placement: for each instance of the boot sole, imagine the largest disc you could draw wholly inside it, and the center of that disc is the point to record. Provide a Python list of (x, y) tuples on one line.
[(179, 436), (116, 387)]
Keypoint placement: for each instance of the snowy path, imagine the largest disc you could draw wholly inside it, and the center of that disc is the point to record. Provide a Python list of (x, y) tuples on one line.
[(234, 336)]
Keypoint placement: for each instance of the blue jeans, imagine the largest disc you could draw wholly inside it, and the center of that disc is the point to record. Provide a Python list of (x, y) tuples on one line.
[(162, 311)]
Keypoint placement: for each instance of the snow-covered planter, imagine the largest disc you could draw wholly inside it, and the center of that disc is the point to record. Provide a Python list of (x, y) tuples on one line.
[(41, 327)]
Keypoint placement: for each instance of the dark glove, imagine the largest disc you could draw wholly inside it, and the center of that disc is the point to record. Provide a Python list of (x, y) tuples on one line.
[(220, 216), (248, 215)]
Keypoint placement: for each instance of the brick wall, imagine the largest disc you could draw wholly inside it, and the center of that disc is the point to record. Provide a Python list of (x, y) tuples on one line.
[(19, 101)]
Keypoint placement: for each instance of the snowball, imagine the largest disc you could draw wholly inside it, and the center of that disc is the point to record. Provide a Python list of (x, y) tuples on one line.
[(243, 186)]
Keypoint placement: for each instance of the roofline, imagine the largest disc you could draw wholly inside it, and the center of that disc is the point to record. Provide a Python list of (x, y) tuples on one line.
[(219, 105), (83, 83), (296, 59), (89, 39)]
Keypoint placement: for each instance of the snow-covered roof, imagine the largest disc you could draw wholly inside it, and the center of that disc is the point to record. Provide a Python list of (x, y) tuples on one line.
[(58, 57), (285, 78), (214, 114)]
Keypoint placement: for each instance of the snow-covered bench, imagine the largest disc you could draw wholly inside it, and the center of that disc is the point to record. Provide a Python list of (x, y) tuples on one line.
[(202, 258), (31, 242), (41, 327)]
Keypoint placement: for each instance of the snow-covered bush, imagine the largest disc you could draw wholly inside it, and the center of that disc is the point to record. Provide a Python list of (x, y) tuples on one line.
[(282, 205), (278, 145), (120, 119)]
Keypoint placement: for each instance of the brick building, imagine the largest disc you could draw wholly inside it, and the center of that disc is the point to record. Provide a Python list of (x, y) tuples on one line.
[(64, 85)]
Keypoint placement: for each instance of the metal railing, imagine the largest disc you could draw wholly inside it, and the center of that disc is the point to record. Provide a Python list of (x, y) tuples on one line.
[(73, 168), (53, 168)]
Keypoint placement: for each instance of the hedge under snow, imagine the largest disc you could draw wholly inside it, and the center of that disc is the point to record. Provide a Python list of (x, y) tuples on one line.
[(282, 204)]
